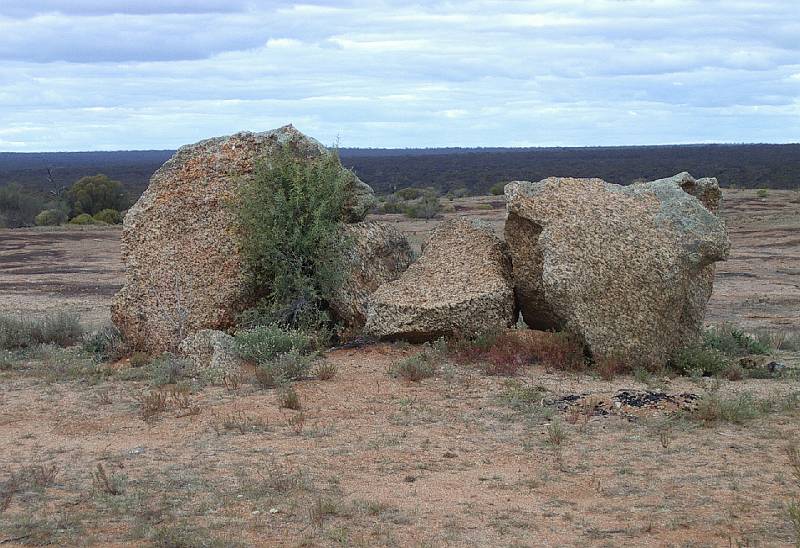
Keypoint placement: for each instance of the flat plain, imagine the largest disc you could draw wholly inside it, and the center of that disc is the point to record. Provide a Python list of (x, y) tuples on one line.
[(545, 457)]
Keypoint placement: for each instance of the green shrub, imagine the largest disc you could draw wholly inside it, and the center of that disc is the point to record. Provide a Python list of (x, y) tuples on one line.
[(699, 360), (82, 219), (410, 193), (62, 328), (734, 342), (290, 216), (108, 216), (391, 205), (93, 194), (169, 369), (19, 206), (50, 217), (139, 359), (762, 193), (284, 368), (105, 344), (426, 207), (289, 399), (415, 368), (262, 344), (498, 189)]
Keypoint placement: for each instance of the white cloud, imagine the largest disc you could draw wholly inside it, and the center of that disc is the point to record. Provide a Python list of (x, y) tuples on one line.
[(147, 74)]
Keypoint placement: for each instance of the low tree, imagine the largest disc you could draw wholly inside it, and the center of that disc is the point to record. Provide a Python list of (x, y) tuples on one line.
[(95, 193)]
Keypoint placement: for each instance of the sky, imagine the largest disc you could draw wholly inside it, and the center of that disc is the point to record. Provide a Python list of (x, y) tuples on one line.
[(156, 74)]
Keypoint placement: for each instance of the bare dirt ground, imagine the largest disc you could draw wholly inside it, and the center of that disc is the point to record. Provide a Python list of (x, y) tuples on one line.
[(461, 459)]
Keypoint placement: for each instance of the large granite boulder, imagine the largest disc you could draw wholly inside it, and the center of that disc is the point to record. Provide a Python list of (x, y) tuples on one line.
[(377, 253), (628, 269), (179, 245), (461, 284)]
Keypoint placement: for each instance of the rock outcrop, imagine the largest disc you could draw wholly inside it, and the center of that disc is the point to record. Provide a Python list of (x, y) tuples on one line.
[(212, 354), (378, 254), (183, 269), (461, 284), (628, 269)]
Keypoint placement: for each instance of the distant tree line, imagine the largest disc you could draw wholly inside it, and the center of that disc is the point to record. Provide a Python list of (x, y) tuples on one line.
[(93, 199), (474, 170)]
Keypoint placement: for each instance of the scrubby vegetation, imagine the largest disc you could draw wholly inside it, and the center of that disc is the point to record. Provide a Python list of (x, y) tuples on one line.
[(279, 354), (62, 328), (290, 215), (417, 203), (95, 193)]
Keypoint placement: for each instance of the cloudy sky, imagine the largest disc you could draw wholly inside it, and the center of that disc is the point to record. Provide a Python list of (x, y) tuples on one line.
[(145, 74)]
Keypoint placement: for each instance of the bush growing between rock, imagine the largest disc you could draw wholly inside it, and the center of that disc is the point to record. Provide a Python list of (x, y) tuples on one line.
[(50, 217), (290, 216)]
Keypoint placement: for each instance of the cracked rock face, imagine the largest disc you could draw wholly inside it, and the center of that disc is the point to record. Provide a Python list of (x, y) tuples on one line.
[(379, 253), (460, 284), (628, 269), (179, 246)]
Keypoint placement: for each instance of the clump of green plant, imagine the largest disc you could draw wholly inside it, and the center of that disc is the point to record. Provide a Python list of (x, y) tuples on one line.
[(734, 342), (262, 344), (290, 215), (522, 397), (498, 189), (62, 328), (556, 434), (286, 367), (325, 371), (82, 219), (168, 369), (50, 217), (762, 193), (289, 399), (108, 216), (280, 354), (415, 368), (105, 344), (699, 360), (427, 206), (714, 408)]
